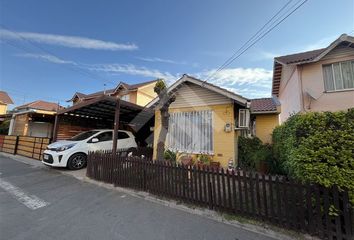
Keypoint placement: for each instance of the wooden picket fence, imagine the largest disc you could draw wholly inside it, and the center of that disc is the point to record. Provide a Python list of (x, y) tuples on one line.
[(313, 209), (32, 147)]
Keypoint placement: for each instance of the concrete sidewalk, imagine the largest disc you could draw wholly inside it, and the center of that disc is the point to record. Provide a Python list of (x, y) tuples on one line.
[(259, 228)]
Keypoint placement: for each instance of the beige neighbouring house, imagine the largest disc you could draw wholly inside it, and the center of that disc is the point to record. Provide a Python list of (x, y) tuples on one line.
[(139, 94), (5, 100), (318, 80)]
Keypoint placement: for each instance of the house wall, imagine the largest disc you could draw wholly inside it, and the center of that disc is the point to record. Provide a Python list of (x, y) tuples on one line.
[(20, 125), (265, 123), (192, 95), (289, 92), (3, 108), (308, 78), (312, 81), (146, 94), (224, 142)]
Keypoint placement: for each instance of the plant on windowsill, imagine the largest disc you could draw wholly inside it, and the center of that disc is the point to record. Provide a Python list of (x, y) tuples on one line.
[(186, 159), (170, 156), (203, 160)]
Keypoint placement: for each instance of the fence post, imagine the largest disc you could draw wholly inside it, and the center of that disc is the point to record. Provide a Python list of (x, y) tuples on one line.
[(16, 145), (210, 196)]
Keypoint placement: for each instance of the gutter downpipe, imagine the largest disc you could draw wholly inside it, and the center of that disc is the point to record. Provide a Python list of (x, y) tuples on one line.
[(301, 90)]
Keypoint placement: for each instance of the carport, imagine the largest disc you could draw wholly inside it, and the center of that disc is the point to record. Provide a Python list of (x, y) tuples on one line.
[(107, 111)]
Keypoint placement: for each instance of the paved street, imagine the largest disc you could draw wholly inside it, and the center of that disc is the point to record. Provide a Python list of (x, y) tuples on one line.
[(41, 203)]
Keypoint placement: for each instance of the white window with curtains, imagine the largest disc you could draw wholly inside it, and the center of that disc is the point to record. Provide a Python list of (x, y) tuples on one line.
[(191, 132), (338, 76), (243, 118), (126, 97)]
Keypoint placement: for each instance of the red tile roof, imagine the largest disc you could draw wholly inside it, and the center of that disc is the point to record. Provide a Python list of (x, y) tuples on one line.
[(40, 105), (300, 57), (264, 105), (5, 98), (111, 91)]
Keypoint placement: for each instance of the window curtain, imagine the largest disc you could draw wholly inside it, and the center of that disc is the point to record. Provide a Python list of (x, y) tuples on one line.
[(338, 76), (348, 74), (191, 132), (328, 78)]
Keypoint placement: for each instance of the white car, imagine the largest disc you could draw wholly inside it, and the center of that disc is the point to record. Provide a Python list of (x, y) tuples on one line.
[(72, 153)]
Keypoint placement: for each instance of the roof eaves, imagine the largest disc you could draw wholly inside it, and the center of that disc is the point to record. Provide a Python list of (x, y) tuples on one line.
[(186, 78)]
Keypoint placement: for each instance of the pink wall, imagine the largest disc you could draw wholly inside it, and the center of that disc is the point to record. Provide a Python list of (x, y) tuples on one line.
[(289, 96), (308, 78), (312, 81)]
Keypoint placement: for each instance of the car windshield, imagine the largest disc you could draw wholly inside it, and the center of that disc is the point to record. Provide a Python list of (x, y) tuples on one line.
[(83, 136)]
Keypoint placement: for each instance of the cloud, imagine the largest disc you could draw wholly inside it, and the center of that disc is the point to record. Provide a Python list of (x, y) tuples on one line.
[(240, 76), (323, 42), (47, 58), (160, 60), (248, 82), (132, 70), (66, 41)]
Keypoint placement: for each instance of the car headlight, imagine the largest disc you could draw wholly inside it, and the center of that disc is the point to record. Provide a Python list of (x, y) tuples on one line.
[(65, 147)]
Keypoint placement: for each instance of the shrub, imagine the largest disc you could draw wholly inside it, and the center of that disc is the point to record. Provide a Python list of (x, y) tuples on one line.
[(4, 127), (318, 148), (170, 156), (253, 153), (204, 159)]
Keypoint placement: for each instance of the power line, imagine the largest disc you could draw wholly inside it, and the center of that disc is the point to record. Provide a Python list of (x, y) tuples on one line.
[(254, 35), (235, 55)]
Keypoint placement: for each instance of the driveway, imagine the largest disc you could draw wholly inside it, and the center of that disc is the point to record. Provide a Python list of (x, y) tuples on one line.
[(41, 203)]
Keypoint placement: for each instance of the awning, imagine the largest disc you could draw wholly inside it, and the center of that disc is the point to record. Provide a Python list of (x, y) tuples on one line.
[(104, 108), (108, 108)]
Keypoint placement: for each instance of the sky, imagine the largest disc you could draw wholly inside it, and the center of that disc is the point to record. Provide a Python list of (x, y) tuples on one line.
[(51, 49)]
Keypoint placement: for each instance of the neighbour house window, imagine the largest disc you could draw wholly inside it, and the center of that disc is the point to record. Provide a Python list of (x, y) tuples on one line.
[(338, 76), (191, 132), (126, 97), (243, 118)]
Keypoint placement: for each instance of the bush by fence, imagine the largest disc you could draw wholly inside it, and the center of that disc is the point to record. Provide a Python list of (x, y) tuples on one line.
[(32, 147), (289, 204), (318, 148)]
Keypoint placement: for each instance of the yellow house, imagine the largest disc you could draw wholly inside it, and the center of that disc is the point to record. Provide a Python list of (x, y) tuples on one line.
[(207, 119), (264, 117), (4, 101), (140, 94)]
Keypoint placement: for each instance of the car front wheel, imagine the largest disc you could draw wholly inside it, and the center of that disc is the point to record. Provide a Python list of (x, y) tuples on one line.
[(77, 161)]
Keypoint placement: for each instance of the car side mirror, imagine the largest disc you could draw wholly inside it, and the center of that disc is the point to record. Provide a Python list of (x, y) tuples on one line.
[(94, 140)]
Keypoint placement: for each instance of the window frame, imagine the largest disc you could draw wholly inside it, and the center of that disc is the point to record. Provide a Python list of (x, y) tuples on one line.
[(333, 76), (246, 112), (126, 96), (179, 141)]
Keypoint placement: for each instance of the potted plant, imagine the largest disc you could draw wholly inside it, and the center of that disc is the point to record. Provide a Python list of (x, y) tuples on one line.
[(203, 160), (186, 159)]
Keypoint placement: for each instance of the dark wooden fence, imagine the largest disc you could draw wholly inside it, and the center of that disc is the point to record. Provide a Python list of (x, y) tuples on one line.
[(32, 147), (325, 212)]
